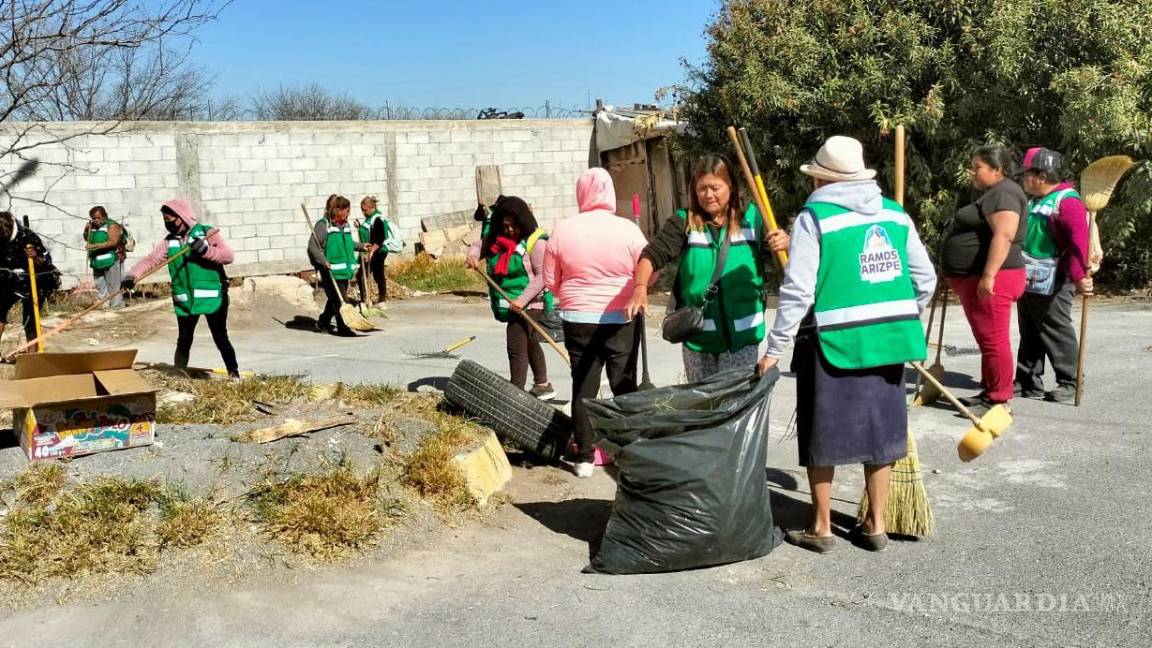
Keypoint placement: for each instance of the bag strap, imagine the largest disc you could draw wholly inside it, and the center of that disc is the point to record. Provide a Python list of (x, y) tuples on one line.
[(721, 259)]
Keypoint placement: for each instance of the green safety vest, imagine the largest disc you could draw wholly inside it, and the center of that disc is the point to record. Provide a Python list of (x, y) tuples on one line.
[(340, 250), (1038, 242), (197, 289), (516, 280), (866, 311), (734, 317), (106, 258), (365, 229)]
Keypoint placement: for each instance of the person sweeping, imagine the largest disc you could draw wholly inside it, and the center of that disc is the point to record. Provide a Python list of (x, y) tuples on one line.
[(332, 252), (199, 283), (857, 279), (513, 255)]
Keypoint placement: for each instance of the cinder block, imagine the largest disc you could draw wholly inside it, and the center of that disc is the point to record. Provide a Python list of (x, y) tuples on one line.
[(149, 153), (270, 255), (278, 164), (303, 164), (416, 137), (240, 232), (121, 182), (252, 165), (119, 153), (90, 182), (253, 191)]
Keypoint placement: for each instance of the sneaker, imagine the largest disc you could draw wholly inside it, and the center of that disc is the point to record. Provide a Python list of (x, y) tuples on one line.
[(543, 392), (584, 469), (1018, 390), (1062, 394), (974, 401)]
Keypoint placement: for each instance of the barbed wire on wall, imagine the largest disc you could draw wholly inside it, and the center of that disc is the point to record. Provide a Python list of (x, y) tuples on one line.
[(414, 113)]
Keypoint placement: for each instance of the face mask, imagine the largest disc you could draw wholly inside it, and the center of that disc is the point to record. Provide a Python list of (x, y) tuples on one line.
[(173, 227)]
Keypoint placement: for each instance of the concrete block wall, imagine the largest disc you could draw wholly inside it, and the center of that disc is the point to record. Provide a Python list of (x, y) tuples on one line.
[(249, 178)]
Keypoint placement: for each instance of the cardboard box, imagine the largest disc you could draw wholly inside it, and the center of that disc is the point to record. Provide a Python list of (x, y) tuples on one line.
[(71, 404)]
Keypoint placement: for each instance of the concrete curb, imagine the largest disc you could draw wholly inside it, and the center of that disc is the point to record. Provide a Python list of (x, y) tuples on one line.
[(486, 468)]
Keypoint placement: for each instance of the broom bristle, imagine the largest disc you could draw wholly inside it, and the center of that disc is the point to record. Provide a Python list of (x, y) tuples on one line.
[(1098, 180), (909, 512), (354, 320)]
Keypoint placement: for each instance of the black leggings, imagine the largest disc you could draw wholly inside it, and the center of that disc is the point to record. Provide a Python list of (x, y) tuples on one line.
[(9, 299), (376, 266), (524, 349), (594, 348), (335, 299), (218, 325)]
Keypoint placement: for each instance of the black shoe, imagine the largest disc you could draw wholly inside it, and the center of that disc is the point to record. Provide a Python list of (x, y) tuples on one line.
[(980, 408), (343, 331), (974, 401), (323, 326), (1018, 390), (1062, 394)]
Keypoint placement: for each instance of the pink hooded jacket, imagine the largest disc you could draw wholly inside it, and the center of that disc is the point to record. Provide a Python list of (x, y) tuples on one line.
[(591, 257), (218, 249)]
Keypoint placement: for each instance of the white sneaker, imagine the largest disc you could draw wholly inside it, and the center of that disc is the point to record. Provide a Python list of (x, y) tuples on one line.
[(584, 469)]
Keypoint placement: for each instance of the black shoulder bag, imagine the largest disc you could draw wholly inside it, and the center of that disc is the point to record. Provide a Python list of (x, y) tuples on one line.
[(685, 322)]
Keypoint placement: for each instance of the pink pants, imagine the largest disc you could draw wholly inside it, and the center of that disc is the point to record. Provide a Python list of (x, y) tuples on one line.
[(991, 320)]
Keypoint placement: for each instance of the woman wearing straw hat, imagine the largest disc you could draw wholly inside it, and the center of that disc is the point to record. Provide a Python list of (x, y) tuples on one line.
[(853, 290)]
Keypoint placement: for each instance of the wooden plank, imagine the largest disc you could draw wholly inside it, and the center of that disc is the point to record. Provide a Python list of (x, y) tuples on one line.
[(294, 427), (489, 186), (447, 220), (628, 167)]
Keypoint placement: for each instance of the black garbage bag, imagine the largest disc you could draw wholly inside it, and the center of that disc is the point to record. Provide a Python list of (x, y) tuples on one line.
[(692, 488)]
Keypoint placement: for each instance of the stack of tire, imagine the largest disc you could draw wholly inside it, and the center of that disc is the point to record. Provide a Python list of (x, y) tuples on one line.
[(517, 417)]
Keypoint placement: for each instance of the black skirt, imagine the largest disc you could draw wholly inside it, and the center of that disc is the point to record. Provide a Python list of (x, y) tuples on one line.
[(847, 416)]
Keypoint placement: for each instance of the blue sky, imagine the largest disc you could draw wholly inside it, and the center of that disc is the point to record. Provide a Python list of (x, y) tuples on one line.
[(451, 53)]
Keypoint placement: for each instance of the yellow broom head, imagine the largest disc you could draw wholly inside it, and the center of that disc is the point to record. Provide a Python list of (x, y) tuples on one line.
[(355, 320), (909, 512), (1099, 179)]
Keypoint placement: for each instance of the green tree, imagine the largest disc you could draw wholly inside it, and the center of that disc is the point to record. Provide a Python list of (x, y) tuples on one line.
[(1074, 75)]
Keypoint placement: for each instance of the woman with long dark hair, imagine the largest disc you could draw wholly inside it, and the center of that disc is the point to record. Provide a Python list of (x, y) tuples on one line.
[(513, 252), (985, 268), (734, 312)]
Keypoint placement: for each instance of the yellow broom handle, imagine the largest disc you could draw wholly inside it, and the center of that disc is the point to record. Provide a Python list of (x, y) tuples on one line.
[(769, 218), (35, 304), (900, 164)]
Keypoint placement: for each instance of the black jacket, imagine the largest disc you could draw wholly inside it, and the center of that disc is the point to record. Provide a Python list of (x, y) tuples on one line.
[(14, 260)]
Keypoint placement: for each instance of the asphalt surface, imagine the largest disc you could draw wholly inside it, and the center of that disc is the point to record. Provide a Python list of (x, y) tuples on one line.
[(1043, 541)]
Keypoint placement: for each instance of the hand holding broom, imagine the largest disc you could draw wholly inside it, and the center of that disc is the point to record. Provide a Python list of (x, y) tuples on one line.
[(352, 317), (531, 322)]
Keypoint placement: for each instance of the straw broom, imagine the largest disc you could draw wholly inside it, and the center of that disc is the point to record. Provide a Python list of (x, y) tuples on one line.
[(909, 511), (1097, 182)]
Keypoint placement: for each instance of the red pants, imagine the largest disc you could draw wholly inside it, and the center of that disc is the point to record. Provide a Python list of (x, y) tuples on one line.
[(991, 320)]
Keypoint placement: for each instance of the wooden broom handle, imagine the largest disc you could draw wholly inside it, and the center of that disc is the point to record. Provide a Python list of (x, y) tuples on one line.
[(531, 322), (948, 395), (1080, 356), (312, 232)]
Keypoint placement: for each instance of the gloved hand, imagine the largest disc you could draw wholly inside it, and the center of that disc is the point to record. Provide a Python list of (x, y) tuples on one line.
[(199, 247), (128, 284)]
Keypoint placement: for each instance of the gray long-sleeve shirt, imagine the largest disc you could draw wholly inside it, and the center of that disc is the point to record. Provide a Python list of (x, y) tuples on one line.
[(317, 243), (798, 291)]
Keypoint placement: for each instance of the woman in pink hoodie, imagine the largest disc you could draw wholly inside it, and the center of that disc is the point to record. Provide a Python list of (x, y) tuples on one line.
[(589, 266), (199, 284)]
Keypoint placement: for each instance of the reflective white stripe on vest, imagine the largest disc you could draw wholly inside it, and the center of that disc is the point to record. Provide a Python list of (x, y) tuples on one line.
[(867, 312), (106, 255), (173, 243), (503, 303), (332, 229), (339, 266), (180, 297), (750, 322), (852, 219), (697, 238), (745, 234), (709, 325), (199, 293)]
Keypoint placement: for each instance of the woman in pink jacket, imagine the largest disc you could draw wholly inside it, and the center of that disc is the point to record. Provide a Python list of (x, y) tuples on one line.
[(589, 265), (199, 284)]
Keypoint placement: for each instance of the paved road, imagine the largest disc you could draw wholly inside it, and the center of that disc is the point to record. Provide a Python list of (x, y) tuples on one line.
[(1044, 541)]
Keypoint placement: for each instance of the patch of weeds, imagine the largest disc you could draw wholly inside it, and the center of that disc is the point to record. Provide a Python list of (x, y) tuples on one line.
[(40, 483), (185, 520), (324, 515), (97, 527), (370, 395), (426, 274), (431, 470), (223, 402)]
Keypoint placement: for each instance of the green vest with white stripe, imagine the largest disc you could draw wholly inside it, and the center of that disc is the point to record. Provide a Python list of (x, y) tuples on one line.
[(340, 250), (365, 229), (197, 289), (866, 311), (516, 280), (1038, 242), (734, 317), (101, 259)]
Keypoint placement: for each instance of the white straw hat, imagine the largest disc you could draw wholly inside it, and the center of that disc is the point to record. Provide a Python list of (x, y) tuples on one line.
[(840, 159)]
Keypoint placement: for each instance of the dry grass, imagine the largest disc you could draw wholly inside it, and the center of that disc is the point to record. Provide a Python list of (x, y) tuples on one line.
[(324, 515), (95, 528), (370, 395), (223, 402), (187, 521), (40, 483), (426, 274), (431, 470)]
